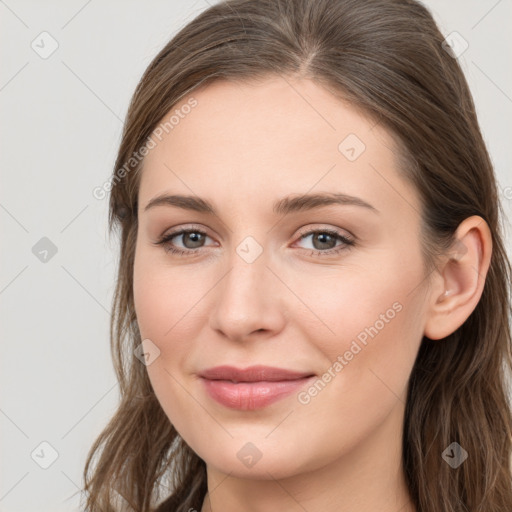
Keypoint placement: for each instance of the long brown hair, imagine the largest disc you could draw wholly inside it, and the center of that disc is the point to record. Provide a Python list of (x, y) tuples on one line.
[(385, 57)]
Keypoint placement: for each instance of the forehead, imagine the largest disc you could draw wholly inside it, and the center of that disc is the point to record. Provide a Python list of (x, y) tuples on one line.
[(268, 138)]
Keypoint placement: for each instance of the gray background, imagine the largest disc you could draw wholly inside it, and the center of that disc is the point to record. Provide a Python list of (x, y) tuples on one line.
[(61, 125)]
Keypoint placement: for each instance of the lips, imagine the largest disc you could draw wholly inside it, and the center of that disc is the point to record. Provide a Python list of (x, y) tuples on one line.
[(252, 374), (251, 388)]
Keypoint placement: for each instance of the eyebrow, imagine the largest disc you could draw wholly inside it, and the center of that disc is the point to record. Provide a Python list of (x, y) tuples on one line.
[(283, 206)]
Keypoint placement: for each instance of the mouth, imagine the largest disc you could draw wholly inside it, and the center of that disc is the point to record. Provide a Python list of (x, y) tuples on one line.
[(251, 388)]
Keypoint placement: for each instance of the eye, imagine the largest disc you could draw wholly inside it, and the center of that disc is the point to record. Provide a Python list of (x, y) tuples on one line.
[(324, 241), (191, 238)]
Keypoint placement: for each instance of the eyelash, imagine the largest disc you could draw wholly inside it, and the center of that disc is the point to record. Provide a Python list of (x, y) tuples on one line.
[(168, 247)]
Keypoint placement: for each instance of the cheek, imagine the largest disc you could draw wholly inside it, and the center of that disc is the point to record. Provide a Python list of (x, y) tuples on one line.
[(368, 368), (163, 299), (154, 304), (170, 308), (164, 296), (375, 323), (368, 306)]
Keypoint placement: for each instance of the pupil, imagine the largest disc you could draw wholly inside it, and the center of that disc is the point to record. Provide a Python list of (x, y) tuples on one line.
[(196, 236), (323, 236)]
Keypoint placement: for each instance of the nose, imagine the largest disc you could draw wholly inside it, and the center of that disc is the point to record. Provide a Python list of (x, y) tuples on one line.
[(249, 301)]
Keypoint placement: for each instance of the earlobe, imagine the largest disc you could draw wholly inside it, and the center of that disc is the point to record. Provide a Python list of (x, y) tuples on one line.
[(462, 276)]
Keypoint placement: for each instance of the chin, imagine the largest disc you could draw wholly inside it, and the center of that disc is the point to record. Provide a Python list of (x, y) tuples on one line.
[(253, 456)]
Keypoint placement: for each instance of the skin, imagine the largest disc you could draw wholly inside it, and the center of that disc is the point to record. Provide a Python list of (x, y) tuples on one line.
[(243, 147)]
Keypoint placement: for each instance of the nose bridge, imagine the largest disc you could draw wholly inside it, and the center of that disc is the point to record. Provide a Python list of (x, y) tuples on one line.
[(246, 299)]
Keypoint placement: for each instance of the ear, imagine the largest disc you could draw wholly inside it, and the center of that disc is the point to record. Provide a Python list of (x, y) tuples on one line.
[(460, 279)]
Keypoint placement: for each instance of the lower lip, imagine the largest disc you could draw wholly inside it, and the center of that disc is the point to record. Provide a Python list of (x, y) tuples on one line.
[(248, 396)]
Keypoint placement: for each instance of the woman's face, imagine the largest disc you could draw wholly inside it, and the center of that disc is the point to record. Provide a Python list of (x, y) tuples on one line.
[(271, 283)]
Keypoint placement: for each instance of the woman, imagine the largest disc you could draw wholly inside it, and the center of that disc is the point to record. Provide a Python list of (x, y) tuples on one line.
[(313, 298)]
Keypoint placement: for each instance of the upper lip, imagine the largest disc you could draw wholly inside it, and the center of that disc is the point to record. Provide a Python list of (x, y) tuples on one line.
[(252, 374)]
